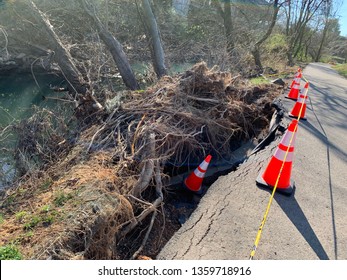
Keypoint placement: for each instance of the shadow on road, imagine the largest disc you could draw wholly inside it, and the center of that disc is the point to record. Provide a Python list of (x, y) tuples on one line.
[(312, 129), (330, 182), (324, 69), (332, 102), (292, 209)]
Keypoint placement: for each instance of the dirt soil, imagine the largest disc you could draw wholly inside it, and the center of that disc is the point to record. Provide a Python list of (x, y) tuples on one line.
[(105, 196)]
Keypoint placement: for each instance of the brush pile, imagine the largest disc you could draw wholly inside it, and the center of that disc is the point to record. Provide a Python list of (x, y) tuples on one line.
[(111, 182)]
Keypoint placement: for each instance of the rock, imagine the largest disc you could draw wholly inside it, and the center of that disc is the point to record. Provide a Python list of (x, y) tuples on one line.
[(10, 63), (278, 81), (269, 70), (20, 56)]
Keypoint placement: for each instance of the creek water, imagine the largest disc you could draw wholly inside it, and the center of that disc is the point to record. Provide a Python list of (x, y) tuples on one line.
[(18, 94)]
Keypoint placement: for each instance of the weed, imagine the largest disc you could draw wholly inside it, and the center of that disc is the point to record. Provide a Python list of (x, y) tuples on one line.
[(62, 198), (34, 220), (342, 69), (22, 190), (46, 184), (259, 80), (25, 237), (50, 217), (9, 252), (48, 220), (45, 208), (10, 200), (21, 215)]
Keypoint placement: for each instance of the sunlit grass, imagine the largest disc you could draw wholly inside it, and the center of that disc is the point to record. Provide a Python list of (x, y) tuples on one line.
[(9, 252), (259, 81), (341, 69)]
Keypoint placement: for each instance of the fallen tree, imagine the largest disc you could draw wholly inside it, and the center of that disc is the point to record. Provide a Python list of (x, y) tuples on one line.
[(77, 86)]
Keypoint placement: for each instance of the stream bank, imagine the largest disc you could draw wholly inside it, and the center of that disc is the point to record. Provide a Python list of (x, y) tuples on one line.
[(105, 195)]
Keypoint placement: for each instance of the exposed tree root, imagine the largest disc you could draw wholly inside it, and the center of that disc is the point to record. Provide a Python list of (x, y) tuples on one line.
[(108, 182)]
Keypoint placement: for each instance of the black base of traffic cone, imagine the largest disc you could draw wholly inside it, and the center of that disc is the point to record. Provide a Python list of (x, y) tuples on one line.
[(295, 117), (288, 191)]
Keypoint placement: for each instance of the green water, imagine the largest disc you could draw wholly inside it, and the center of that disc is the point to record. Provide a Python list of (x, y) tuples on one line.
[(18, 94)]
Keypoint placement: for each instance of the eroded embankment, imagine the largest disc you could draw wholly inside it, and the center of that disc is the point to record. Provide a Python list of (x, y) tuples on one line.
[(104, 195)]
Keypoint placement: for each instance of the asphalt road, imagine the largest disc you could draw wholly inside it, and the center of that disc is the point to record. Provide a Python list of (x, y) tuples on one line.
[(312, 223)]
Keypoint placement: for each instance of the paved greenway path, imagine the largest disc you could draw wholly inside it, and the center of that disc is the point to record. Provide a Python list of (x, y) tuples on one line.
[(312, 223)]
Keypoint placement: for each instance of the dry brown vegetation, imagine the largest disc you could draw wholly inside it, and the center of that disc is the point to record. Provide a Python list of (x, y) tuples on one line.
[(87, 200)]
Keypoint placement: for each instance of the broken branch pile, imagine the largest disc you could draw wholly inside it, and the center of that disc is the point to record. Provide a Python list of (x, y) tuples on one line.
[(113, 176)]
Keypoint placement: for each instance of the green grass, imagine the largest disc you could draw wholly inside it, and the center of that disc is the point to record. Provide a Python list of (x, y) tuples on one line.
[(46, 185), (1, 218), (341, 69), (10, 200), (61, 198), (276, 42), (259, 81), (9, 252), (24, 237), (45, 208), (33, 222), (21, 215)]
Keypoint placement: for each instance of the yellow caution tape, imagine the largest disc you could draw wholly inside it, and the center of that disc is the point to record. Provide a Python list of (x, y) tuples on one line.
[(262, 224), (303, 77)]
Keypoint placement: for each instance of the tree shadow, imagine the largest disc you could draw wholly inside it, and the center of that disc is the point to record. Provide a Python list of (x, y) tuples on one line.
[(328, 145), (319, 135), (292, 209), (324, 69), (331, 101)]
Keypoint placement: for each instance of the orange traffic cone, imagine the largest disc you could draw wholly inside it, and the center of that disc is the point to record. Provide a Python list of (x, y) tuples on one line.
[(300, 106), (194, 180), (296, 76), (295, 88), (269, 177)]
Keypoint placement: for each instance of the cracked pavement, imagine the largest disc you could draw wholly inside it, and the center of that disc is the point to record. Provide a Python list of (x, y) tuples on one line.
[(312, 223)]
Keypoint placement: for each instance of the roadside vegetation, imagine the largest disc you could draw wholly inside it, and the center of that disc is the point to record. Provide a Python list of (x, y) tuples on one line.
[(9, 252), (148, 89), (341, 69)]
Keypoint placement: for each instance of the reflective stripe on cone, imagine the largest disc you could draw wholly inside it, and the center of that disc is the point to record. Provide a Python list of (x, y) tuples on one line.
[(194, 180), (283, 156)]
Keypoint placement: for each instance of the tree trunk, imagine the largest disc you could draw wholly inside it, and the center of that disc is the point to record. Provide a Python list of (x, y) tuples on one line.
[(61, 54), (228, 25), (256, 57), (324, 35), (299, 44), (115, 49), (296, 28), (120, 59), (257, 45), (225, 12), (65, 61), (153, 34), (290, 58)]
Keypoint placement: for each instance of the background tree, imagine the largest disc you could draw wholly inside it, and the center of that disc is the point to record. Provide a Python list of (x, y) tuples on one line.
[(154, 40), (299, 13), (114, 46), (238, 37), (224, 11), (64, 60), (258, 44)]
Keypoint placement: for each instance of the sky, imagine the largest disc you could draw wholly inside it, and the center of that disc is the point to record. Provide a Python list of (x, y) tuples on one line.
[(343, 18)]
